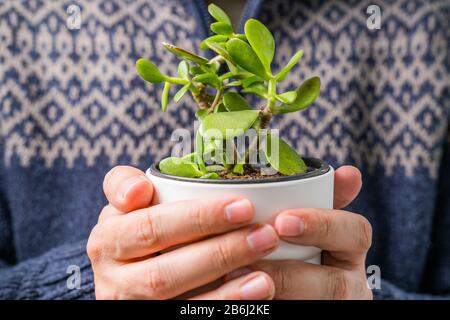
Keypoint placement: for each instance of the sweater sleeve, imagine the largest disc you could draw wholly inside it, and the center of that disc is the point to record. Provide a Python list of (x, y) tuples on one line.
[(390, 291), (436, 276), (46, 276), (62, 273)]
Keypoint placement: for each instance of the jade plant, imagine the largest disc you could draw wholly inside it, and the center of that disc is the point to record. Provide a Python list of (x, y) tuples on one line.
[(222, 87)]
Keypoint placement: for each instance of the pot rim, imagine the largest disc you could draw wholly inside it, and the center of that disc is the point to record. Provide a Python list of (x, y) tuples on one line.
[(321, 168)]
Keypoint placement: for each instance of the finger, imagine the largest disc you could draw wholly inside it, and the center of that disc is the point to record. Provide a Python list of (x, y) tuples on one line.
[(347, 184), (170, 274), (300, 280), (347, 235), (162, 226), (127, 188), (237, 273), (107, 212), (255, 286)]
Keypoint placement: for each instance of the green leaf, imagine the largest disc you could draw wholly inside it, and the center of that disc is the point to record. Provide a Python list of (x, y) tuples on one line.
[(227, 125), (250, 80), (261, 40), (184, 54), (211, 175), (245, 57), (221, 28), (214, 66), (257, 124), (183, 70), (218, 14), (216, 38), (307, 93), (287, 97), (226, 76), (208, 78), (238, 168), (219, 49), (241, 36), (190, 157), (244, 75), (235, 102), (211, 145), (257, 88), (232, 66), (181, 92), (286, 161), (211, 151), (285, 71), (201, 113), (165, 96), (196, 70), (149, 71), (221, 108), (233, 84), (179, 167), (215, 168)]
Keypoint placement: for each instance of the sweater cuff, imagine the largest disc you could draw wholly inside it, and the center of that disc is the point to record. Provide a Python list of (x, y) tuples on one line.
[(62, 273)]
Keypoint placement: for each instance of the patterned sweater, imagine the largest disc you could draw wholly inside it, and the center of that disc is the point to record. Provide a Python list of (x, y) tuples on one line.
[(72, 106)]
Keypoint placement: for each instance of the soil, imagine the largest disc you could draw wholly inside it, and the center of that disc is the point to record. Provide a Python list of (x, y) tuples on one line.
[(252, 174)]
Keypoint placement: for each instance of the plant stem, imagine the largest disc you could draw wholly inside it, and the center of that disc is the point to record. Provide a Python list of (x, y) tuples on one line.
[(194, 90), (266, 116), (216, 100), (176, 80), (199, 151), (271, 93), (201, 97), (252, 146), (266, 113)]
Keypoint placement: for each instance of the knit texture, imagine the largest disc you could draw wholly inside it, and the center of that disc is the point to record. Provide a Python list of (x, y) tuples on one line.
[(72, 107)]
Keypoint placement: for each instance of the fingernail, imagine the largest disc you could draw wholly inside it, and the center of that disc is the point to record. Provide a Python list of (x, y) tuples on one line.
[(129, 184), (256, 288), (263, 239), (289, 226), (239, 211), (238, 273)]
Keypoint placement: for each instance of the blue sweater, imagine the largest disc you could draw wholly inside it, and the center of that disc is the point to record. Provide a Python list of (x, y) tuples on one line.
[(72, 106)]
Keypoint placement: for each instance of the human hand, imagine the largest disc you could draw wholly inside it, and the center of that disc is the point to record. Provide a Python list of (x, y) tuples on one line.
[(206, 238), (345, 238)]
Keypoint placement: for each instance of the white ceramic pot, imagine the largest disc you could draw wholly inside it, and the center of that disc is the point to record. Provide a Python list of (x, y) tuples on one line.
[(269, 197)]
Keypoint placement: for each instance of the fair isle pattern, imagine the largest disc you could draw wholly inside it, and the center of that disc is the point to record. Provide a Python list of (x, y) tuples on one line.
[(385, 93), (75, 94)]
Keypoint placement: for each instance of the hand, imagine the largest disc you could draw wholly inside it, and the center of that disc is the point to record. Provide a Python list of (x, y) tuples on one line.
[(345, 238), (215, 234)]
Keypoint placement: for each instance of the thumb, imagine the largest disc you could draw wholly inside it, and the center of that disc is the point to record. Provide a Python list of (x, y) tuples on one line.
[(347, 184), (127, 189)]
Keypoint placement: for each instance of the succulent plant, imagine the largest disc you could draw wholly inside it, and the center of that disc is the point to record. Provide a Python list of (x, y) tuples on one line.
[(220, 86)]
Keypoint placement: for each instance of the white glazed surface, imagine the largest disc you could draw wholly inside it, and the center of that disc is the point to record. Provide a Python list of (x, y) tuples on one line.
[(268, 199)]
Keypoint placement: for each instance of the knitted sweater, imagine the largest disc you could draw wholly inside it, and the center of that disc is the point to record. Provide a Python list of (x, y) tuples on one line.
[(72, 106)]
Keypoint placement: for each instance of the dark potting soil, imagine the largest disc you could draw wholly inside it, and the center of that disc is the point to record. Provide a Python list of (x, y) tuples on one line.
[(253, 174)]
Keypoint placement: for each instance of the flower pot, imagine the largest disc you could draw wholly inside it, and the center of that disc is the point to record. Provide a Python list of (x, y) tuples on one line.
[(269, 196)]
